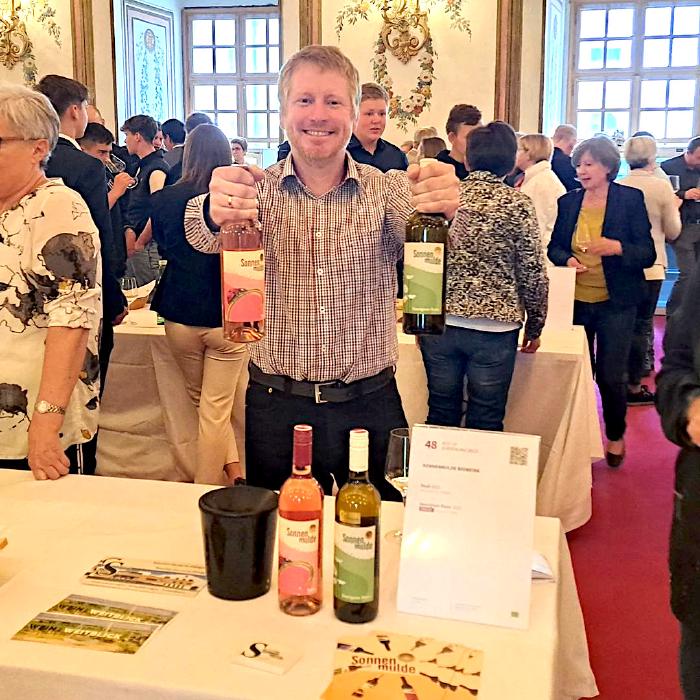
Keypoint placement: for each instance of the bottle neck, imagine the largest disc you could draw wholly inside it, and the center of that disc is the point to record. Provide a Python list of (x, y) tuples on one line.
[(358, 474), (301, 470)]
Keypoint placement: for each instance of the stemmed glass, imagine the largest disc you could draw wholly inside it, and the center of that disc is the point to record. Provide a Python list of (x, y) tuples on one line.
[(128, 284), (675, 182), (396, 466)]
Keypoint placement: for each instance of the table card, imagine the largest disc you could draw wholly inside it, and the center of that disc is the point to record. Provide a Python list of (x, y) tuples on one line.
[(468, 528), (560, 301)]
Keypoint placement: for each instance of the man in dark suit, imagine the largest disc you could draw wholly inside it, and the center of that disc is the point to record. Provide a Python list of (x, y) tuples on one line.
[(85, 175), (564, 140), (191, 123), (173, 140)]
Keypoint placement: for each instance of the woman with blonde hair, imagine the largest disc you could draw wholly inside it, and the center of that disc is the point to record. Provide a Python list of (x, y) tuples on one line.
[(662, 207), (50, 272), (540, 183)]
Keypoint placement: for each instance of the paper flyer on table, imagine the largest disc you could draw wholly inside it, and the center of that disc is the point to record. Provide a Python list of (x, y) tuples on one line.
[(85, 606), (146, 575), (86, 633), (468, 527), (383, 666)]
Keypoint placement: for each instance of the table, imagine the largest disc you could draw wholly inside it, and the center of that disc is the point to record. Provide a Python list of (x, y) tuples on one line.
[(551, 395), (148, 425), (57, 530)]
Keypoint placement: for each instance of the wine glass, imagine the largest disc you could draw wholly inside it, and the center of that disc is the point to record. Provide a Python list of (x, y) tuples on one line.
[(675, 182), (396, 466), (128, 285)]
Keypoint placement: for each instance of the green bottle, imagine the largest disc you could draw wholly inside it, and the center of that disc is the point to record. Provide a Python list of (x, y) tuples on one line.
[(425, 273), (356, 555)]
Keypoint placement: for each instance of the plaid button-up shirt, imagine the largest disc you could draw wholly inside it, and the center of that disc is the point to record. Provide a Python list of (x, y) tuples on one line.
[(330, 271)]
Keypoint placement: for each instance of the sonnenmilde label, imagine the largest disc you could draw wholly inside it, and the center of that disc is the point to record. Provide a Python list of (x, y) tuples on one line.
[(423, 264)]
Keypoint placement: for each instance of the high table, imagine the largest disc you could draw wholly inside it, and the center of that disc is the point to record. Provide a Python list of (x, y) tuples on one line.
[(148, 426), (551, 395), (58, 530)]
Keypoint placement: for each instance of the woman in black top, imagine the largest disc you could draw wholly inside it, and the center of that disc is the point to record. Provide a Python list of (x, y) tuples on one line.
[(188, 297)]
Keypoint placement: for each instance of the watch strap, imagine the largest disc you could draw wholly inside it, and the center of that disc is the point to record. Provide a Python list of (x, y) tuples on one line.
[(43, 406)]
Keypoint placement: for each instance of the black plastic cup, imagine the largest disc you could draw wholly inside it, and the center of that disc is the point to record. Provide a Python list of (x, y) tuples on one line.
[(239, 526)]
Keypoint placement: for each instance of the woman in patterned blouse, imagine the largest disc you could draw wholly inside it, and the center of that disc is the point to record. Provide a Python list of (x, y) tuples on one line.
[(50, 298), (495, 276)]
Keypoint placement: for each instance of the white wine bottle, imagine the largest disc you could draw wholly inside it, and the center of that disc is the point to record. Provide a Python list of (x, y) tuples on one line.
[(356, 554), (425, 273)]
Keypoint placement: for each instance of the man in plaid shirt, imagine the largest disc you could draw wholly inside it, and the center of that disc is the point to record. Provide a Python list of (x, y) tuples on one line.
[(333, 231)]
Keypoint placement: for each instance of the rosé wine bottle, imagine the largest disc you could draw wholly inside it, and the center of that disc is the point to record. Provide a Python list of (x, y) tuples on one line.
[(300, 532), (243, 281)]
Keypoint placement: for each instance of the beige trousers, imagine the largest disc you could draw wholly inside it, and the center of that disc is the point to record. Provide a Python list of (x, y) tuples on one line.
[(211, 366)]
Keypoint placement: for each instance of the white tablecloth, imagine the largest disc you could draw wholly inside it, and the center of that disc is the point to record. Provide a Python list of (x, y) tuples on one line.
[(57, 530), (148, 425), (551, 395)]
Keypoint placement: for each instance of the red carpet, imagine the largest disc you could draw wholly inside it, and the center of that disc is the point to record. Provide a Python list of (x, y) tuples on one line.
[(620, 564)]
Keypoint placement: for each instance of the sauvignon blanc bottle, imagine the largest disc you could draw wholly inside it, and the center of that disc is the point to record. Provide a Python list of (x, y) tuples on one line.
[(356, 554), (425, 273), (300, 532)]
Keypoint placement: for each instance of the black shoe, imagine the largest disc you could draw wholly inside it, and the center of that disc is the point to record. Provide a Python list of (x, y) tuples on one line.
[(613, 460), (643, 397)]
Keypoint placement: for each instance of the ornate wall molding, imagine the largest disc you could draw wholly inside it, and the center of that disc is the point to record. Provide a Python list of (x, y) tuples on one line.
[(309, 22), (83, 44), (509, 56)]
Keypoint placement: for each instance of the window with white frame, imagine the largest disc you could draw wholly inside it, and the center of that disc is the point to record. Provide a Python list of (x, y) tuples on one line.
[(232, 66), (635, 68)]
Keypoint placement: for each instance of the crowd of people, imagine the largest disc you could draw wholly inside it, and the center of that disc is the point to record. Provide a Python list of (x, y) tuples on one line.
[(78, 212)]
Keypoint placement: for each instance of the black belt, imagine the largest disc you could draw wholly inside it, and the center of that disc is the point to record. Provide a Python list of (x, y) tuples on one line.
[(322, 392)]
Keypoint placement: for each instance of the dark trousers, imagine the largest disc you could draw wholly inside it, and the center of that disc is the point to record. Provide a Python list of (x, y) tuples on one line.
[(609, 330), (75, 453), (485, 359), (687, 250), (690, 663), (643, 333), (271, 415)]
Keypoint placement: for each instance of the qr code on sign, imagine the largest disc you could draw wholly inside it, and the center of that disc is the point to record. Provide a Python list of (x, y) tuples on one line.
[(518, 456)]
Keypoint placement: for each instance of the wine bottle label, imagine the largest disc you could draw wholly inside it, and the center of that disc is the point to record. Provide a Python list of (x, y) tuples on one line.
[(243, 285), (298, 556), (422, 277), (354, 563)]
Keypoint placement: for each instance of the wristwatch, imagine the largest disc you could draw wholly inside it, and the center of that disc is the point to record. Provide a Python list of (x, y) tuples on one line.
[(43, 406)]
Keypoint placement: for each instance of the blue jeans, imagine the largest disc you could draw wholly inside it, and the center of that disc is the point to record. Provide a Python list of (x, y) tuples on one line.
[(485, 360), (690, 663)]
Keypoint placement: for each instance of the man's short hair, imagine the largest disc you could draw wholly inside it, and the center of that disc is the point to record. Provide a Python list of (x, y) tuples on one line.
[(693, 144), (462, 114), (325, 58), (175, 129), (602, 149), (537, 146), (241, 142), (62, 92), (492, 148), (96, 133), (564, 132), (373, 91), (195, 119), (423, 132), (142, 124)]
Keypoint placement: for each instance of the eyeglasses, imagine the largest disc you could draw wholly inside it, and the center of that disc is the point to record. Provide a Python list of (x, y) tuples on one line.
[(4, 139)]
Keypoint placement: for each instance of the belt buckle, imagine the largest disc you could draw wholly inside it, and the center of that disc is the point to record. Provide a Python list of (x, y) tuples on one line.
[(317, 391)]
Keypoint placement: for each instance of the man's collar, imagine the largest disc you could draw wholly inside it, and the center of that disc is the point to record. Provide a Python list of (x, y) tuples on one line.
[(70, 140), (356, 143), (289, 171)]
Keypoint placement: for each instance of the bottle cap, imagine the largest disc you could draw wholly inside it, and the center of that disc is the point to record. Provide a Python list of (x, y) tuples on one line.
[(424, 161), (303, 444), (359, 449)]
